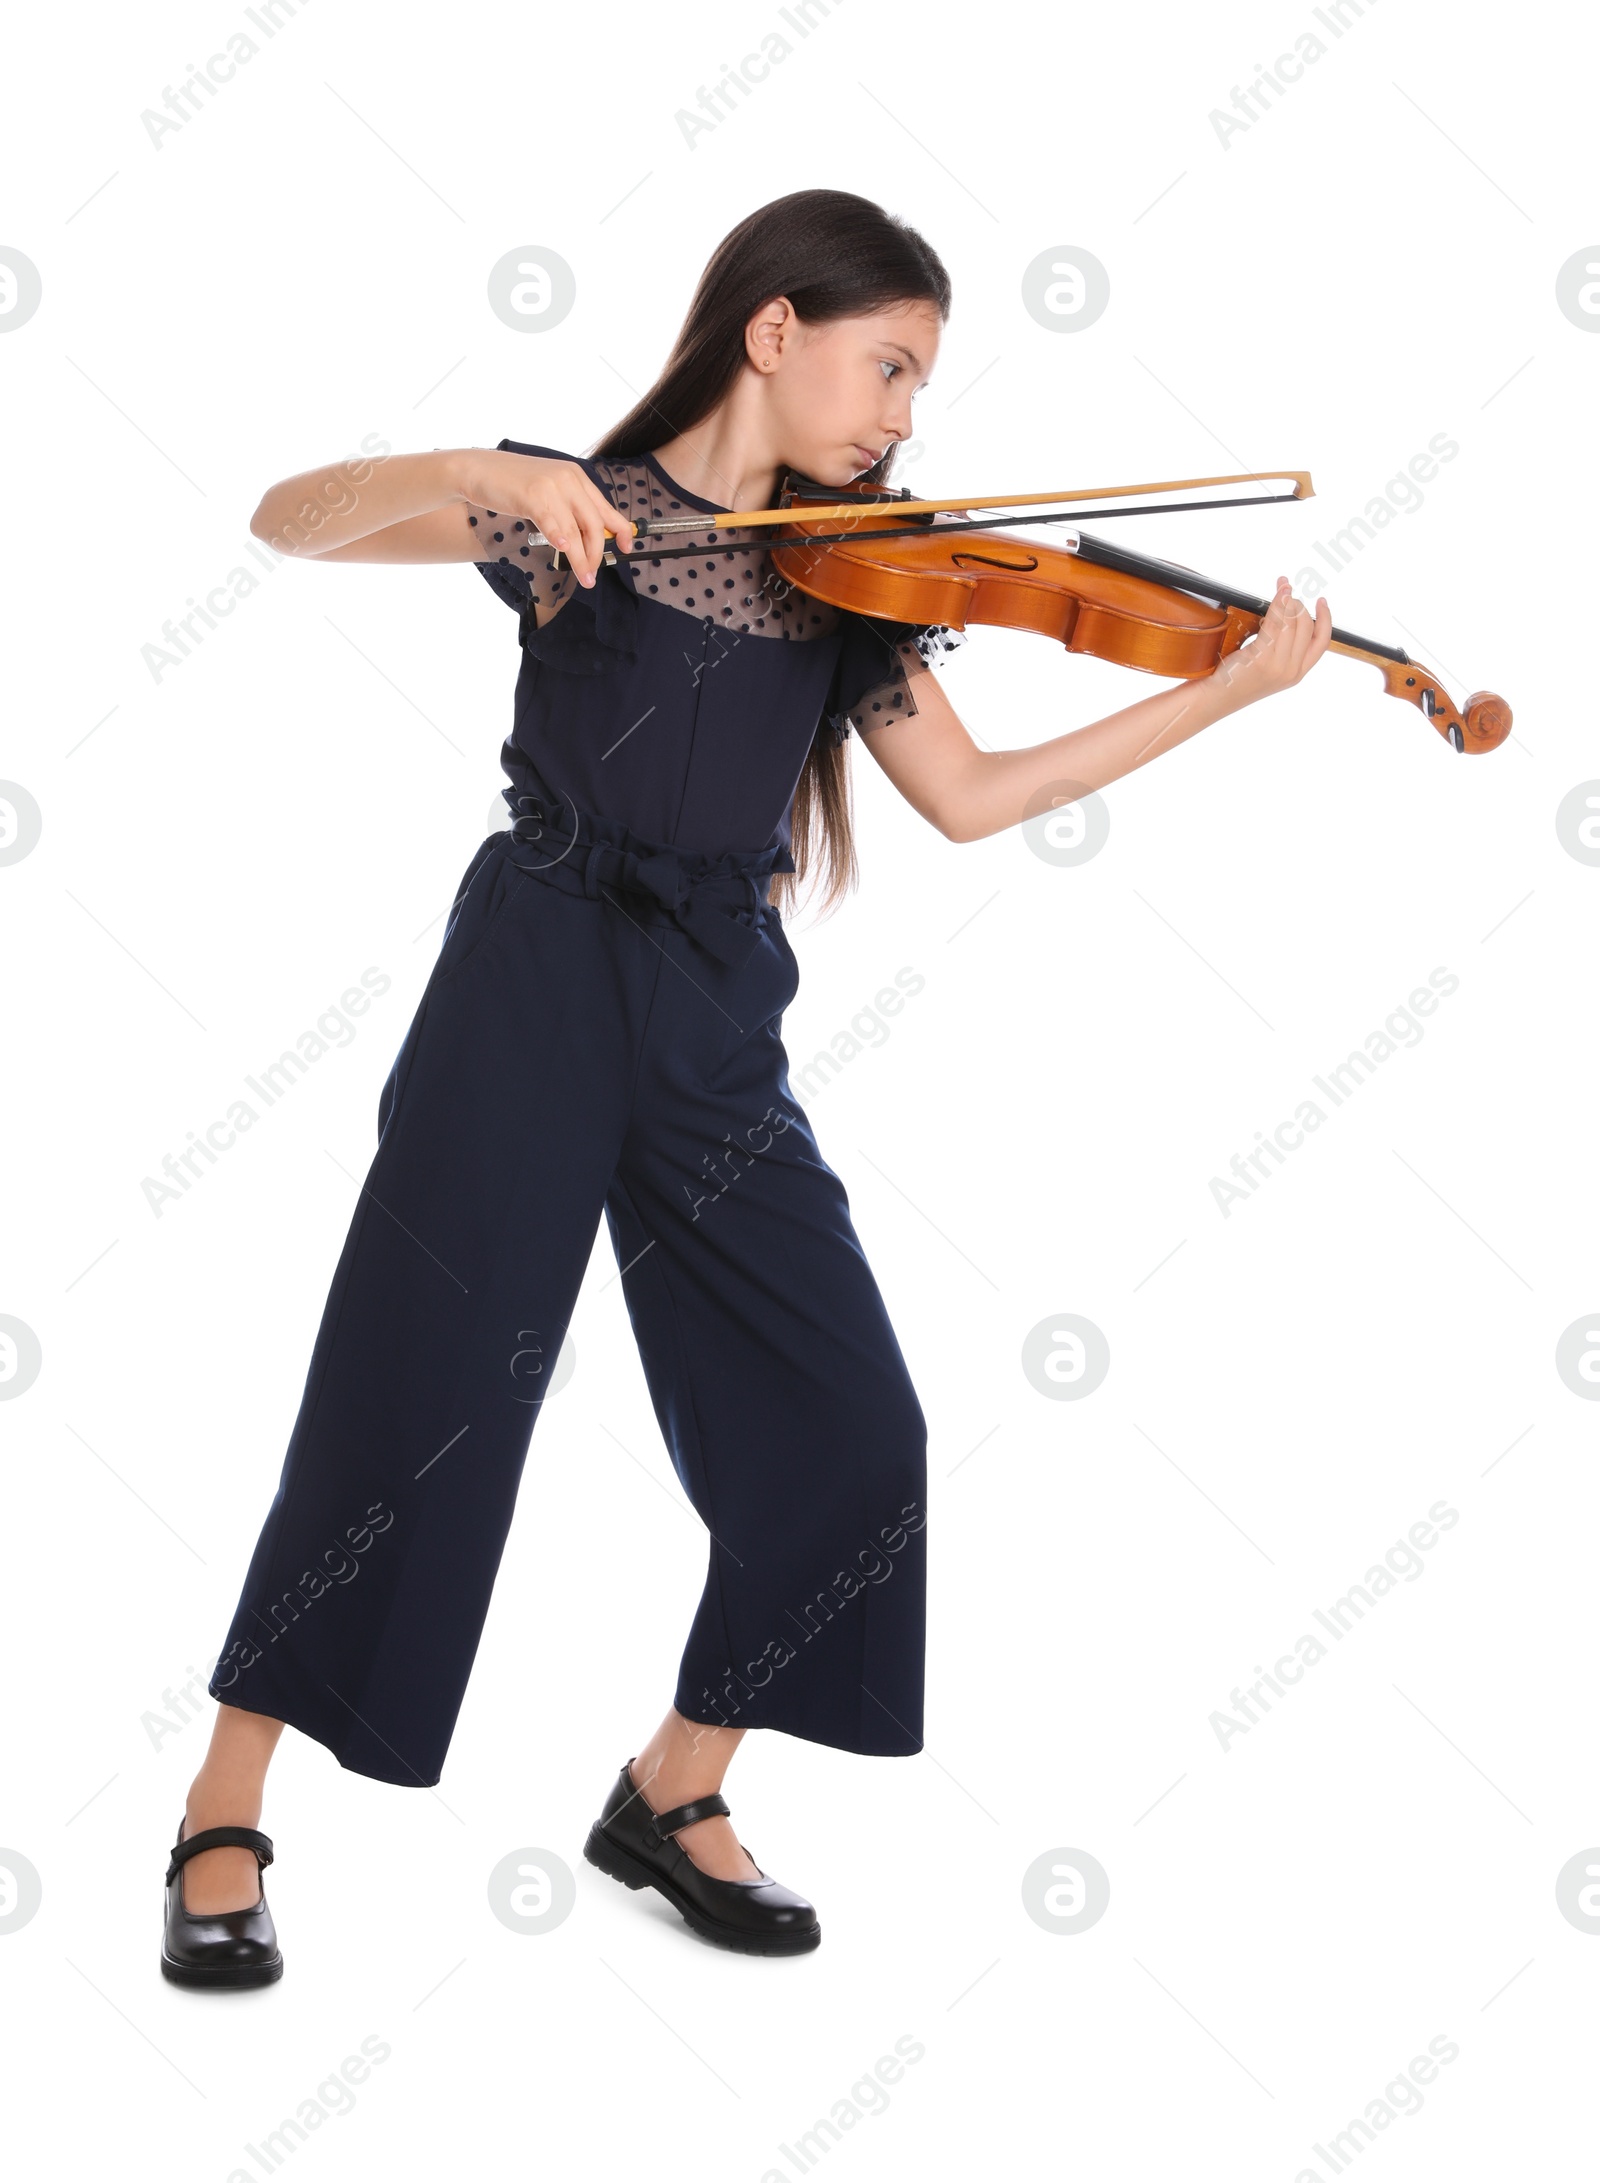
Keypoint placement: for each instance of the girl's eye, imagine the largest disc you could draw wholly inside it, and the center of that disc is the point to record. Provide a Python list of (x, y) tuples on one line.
[(889, 365)]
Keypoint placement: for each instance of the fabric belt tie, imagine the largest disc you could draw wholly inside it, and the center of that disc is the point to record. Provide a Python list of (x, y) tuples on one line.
[(591, 853)]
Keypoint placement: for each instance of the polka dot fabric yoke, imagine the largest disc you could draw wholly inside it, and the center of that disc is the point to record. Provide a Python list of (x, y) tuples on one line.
[(801, 668)]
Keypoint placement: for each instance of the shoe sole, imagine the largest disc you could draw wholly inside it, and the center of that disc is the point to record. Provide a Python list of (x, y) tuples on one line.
[(620, 1864), (221, 1974)]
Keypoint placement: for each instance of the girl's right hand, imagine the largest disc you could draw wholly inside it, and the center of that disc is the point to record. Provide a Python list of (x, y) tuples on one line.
[(556, 497)]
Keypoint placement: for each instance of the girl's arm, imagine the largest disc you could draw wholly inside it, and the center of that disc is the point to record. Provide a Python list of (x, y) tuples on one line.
[(416, 508), (967, 792)]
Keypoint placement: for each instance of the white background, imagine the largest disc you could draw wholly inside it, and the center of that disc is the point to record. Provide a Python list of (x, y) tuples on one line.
[(1291, 1388)]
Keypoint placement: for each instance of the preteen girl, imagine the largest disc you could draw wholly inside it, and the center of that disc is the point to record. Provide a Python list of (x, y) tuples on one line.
[(601, 1037)]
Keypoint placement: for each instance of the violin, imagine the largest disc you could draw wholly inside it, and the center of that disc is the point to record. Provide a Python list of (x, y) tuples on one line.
[(894, 560), (1090, 596)]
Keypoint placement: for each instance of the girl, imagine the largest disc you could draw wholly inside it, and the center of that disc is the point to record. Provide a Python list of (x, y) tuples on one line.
[(600, 1035)]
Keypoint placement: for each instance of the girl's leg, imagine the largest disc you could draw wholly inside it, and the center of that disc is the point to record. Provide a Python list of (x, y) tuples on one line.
[(781, 1391), (685, 1759), (364, 1602), (227, 1793)]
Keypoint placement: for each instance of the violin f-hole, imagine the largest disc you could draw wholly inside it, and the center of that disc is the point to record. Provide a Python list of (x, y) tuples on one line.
[(1025, 565)]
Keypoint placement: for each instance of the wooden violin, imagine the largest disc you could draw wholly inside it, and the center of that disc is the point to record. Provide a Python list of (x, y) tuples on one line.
[(1088, 595), (893, 559)]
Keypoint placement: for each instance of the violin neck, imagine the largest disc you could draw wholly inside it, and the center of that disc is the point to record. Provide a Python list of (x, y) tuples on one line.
[(1376, 655)]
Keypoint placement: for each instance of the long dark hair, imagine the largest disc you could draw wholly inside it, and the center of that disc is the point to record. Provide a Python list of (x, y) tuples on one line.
[(834, 255)]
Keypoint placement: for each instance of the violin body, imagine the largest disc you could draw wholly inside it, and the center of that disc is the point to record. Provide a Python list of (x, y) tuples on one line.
[(983, 576), (1091, 598)]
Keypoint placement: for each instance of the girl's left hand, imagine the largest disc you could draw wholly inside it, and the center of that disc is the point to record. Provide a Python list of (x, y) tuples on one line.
[(1283, 650)]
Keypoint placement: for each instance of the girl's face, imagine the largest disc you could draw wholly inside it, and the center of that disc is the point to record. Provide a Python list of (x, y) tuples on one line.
[(842, 391)]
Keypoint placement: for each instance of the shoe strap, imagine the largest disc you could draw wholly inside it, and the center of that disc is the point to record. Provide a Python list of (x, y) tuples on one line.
[(684, 1815), (220, 1838)]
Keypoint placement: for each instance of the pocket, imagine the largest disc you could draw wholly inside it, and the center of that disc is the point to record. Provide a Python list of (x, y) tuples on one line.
[(744, 1038), (487, 885)]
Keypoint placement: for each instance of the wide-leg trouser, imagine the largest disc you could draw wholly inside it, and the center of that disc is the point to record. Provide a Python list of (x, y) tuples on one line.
[(578, 1054)]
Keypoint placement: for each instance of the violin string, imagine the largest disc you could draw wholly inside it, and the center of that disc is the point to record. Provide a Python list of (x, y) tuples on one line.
[(1173, 575), (1098, 551)]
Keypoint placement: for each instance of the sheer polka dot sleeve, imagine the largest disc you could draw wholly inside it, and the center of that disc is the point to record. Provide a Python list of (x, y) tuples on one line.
[(516, 569), (879, 664), (511, 564)]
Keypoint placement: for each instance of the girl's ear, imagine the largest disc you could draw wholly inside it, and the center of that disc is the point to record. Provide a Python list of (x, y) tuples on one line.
[(765, 333)]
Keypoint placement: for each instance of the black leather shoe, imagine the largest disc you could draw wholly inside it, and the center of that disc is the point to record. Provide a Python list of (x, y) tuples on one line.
[(634, 1845), (219, 1947)]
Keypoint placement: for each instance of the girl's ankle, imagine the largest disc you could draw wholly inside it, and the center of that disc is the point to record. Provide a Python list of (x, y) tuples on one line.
[(662, 1776), (219, 1807)]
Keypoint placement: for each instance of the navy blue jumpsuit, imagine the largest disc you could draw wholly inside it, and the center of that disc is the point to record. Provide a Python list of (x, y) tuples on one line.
[(601, 1035)]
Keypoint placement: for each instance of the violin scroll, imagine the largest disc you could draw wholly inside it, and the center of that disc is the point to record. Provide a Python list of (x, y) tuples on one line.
[(1488, 721), (1483, 723)]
